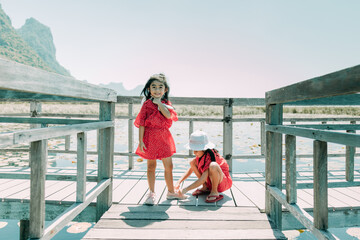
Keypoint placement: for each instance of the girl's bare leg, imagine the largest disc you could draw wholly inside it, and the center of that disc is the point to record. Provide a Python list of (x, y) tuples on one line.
[(196, 171), (216, 176), (151, 166), (168, 166)]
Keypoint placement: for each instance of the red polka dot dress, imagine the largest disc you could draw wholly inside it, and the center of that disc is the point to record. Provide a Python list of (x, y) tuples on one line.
[(157, 138), (203, 164)]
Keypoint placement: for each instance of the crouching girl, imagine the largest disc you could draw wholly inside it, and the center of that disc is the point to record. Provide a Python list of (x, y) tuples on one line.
[(211, 169)]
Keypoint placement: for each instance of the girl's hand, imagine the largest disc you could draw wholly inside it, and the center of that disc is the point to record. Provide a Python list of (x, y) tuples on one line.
[(177, 187), (157, 101), (142, 146)]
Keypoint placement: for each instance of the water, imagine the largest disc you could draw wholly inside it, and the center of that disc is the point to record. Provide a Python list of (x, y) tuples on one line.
[(9, 230), (246, 141)]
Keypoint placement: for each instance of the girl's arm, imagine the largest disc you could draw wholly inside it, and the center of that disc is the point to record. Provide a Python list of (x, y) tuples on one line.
[(162, 108), (185, 176), (141, 137), (197, 183)]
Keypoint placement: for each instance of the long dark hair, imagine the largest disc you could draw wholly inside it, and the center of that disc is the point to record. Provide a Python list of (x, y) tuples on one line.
[(160, 78)]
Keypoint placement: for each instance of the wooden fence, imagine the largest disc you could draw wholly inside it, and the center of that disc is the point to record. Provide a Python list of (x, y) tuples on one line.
[(23, 83), (337, 84), (227, 119)]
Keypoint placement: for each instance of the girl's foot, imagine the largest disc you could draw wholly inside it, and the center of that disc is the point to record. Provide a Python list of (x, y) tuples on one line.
[(201, 191), (213, 198), (150, 199), (177, 195)]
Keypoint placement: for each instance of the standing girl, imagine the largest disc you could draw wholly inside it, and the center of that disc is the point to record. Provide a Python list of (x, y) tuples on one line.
[(155, 140)]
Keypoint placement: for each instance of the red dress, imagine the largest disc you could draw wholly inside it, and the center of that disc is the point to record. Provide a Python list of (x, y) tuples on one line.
[(157, 138), (203, 164)]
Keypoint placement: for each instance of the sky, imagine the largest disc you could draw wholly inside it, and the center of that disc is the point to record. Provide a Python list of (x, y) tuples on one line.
[(206, 48)]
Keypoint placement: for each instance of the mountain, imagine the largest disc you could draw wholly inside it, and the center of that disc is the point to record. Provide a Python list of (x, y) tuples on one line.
[(14, 47), (39, 37), (122, 91)]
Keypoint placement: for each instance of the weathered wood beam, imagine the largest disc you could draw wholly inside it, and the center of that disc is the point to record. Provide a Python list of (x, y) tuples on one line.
[(22, 78), (59, 121), (329, 126), (290, 153), (15, 96), (61, 221), (105, 157), (38, 158), (131, 135), (347, 81), (49, 176), (339, 184), (350, 161), (348, 100), (228, 133), (273, 163), (320, 185), (349, 139), (352, 99), (81, 166), (300, 214), (31, 135)]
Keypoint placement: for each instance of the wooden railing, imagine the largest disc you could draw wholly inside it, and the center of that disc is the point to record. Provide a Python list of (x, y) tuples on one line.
[(227, 119), (335, 84), (23, 83)]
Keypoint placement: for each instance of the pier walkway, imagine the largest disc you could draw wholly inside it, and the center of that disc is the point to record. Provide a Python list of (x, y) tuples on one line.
[(239, 215)]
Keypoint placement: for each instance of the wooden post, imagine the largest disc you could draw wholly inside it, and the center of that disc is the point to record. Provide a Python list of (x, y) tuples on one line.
[(81, 166), (262, 137), (105, 157), (290, 155), (38, 157), (35, 110), (273, 163), (191, 130), (24, 229), (350, 157), (67, 141), (131, 136), (227, 132), (320, 185)]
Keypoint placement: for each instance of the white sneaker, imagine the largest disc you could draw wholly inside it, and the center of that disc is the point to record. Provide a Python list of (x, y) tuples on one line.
[(176, 195), (150, 199)]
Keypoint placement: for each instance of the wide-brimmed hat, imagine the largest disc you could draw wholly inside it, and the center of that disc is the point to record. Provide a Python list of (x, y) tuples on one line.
[(199, 141)]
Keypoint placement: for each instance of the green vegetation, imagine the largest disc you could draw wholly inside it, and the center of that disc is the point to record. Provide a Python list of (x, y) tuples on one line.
[(182, 110), (31, 45), (13, 47)]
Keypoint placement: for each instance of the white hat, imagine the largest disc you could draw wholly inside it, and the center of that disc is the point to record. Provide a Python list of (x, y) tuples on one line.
[(199, 141)]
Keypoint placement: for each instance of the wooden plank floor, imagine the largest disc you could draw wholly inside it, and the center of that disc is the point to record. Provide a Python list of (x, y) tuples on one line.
[(234, 217), (182, 222), (240, 213), (130, 188)]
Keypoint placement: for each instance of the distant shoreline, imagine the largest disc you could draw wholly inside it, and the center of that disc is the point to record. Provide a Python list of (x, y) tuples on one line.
[(185, 111)]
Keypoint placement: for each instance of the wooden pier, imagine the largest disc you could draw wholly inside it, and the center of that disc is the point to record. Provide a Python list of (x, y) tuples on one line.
[(240, 215), (258, 206)]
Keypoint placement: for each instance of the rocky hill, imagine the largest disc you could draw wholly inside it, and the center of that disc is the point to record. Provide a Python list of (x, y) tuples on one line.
[(14, 47), (122, 91), (32, 44), (39, 37)]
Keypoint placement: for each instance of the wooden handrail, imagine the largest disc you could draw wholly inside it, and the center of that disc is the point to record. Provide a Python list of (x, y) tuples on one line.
[(347, 81)]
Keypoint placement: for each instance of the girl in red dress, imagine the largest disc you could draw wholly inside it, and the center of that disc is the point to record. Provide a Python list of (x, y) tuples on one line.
[(155, 140), (211, 169)]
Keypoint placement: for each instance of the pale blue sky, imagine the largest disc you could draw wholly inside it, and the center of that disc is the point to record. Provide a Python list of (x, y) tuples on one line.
[(222, 48)]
